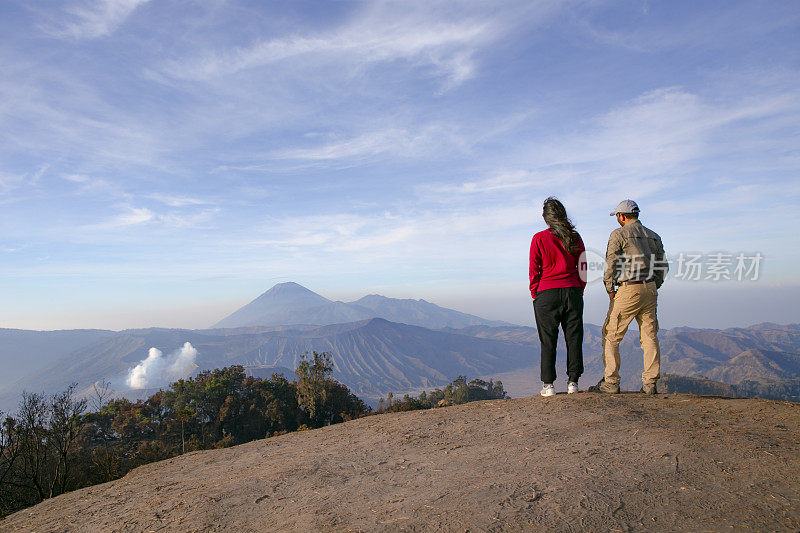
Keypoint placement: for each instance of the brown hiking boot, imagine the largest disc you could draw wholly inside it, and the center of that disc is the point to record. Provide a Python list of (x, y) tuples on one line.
[(649, 389), (602, 386)]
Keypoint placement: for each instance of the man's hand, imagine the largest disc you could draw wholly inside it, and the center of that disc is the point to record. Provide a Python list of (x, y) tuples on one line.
[(611, 295)]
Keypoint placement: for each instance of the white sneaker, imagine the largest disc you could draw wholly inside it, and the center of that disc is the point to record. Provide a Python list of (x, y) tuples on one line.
[(572, 388), (548, 390)]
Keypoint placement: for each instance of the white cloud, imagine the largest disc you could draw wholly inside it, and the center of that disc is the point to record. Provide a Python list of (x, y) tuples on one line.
[(356, 44), (390, 234), (363, 145), (659, 130), (704, 28), (9, 181), (380, 238), (655, 131), (75, 122), (311, 231), (157, 370), (425, 140), (384, 32), (192, 220), (76, 178), (142, 216), (132, 217), (129, 217), (90, 19), (497, 182), (645, 142), (177, 201), (41, 171)]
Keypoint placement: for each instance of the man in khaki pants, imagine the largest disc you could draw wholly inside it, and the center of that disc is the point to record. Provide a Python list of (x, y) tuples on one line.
[(635, 269)]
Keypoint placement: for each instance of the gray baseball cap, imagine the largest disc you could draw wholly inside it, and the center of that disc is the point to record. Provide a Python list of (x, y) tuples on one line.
[(626, 206)]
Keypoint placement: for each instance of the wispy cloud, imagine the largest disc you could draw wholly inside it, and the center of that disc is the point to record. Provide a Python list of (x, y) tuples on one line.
[(132, 216), (9, 182), (435, 39), (497, 182), (704, 27), (385, 33), (177, 201), (383, 233), (655, 131), (190, 220), (89, 19), (647, 148), (76, 178), (652, 135), (368, 144), (78, 122), (426, 140)]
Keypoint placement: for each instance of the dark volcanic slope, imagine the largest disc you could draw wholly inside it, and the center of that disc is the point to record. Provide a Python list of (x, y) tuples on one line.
[(584, 462), (372, 357)]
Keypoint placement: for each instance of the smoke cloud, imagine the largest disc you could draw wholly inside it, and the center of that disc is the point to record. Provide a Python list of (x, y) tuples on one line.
[(156, 369)]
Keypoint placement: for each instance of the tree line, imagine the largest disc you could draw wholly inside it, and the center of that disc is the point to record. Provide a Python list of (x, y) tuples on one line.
[(59, 443), (782, 390), (456, 392)]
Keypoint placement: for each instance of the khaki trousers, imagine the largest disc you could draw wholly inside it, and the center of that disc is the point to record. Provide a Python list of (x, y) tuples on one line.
[(632, 301)]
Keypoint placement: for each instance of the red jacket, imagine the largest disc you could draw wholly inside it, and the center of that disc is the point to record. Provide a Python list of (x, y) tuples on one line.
[(551, 267)]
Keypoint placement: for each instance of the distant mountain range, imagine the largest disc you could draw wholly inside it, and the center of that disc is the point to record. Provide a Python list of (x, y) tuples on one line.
[(23, 351), (289, 304), (764, 352), (374, 356)]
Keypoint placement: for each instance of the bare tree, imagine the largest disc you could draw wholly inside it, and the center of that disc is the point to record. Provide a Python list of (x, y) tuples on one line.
[(64, 427), (104, 459), (9, 447), (101, 393), (33, 418), (9, 453), (49, 429)]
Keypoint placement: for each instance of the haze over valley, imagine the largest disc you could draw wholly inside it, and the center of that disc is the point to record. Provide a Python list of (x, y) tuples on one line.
[(378, 345)]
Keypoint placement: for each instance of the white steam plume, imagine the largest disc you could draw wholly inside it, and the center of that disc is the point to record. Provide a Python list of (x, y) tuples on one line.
[(156, 369)]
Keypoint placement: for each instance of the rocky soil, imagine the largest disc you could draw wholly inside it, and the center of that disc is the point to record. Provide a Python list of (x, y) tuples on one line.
[(571, 463)]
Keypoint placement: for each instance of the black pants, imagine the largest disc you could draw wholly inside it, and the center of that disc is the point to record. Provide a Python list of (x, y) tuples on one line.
[(564, 307)]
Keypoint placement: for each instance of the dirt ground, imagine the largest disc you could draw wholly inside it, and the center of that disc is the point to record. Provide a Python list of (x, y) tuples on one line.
[(567, 463)]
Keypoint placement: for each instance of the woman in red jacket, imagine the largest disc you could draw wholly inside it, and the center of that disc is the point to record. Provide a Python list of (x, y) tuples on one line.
[(556, 263)]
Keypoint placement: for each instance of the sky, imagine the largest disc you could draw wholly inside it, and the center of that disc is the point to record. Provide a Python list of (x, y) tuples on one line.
[(164, 162)]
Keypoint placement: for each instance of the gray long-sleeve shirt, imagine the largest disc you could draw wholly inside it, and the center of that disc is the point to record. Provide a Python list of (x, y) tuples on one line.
[(634, 253)]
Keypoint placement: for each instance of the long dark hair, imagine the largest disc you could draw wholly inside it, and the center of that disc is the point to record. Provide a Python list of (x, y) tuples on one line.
[(555, 216)]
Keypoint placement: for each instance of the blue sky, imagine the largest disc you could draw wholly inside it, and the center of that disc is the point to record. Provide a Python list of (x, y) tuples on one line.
[(163, 162)]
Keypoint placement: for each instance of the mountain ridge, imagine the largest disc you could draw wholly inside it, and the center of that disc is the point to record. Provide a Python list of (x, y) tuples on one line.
[(376, 356), (290, 303), (373, 356)]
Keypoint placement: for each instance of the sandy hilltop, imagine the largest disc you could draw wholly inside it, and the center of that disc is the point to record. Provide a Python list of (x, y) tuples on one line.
[(582, 462)]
